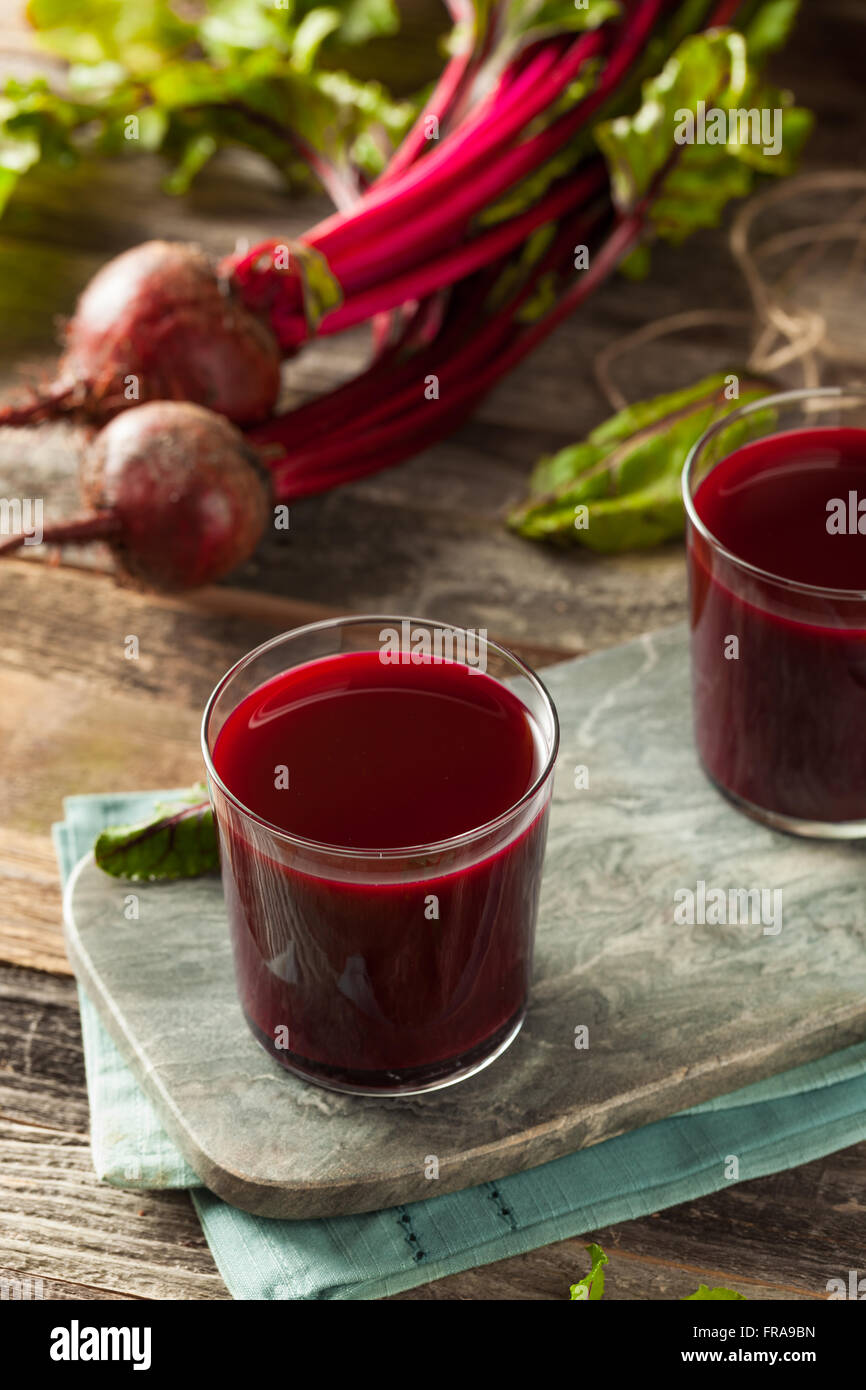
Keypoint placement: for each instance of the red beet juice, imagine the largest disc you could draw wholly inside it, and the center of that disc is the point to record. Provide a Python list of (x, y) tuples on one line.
[(778, 625), (375, 957)]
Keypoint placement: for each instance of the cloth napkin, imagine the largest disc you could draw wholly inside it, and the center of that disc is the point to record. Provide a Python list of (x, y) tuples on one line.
[(774, 1124)]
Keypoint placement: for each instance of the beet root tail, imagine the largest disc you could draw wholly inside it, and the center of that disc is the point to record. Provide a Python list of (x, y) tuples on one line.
[(58, 399), (97, 526)]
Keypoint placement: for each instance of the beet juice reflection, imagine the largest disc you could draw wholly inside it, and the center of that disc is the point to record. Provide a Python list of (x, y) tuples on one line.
[(777, 568), (381, 959)]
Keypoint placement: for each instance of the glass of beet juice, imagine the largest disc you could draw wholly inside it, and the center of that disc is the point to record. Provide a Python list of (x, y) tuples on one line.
[(775, 497), (381, 788)]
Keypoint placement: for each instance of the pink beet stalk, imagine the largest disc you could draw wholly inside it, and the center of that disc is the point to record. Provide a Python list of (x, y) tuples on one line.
[(496, 120), (444, 99), (466, 258), (395, 226)]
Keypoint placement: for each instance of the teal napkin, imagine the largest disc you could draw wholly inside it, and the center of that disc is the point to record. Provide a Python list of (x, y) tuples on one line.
[(786, 1120)]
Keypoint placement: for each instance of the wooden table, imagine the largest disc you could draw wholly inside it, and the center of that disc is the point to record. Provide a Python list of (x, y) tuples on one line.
[(76, 716)]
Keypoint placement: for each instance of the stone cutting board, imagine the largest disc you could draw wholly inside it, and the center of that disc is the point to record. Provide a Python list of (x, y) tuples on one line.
[(675, 1013)]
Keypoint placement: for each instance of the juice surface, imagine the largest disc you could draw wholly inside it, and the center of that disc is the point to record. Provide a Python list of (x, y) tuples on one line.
[(767, 503), (378, 755)]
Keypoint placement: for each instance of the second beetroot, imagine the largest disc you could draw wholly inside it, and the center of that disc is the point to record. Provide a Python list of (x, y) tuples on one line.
[(176, 492)]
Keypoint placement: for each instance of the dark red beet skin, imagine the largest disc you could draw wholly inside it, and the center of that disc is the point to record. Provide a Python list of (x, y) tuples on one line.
[(185, 489), (158, 323)]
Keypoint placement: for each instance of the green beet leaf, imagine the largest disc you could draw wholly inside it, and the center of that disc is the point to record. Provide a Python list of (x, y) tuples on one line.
[(180, 842), (591, 1287), (770, 27), (652, 153), (705, 1295), (526, 21), (635, 125), (202, 78), (620, 488)]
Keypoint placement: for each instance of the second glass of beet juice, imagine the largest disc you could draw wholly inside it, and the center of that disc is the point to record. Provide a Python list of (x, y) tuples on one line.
[(381, 788), (775, 497)]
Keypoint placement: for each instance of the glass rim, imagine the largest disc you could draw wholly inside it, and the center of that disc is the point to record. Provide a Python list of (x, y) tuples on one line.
[(778, 398), (396, 852)]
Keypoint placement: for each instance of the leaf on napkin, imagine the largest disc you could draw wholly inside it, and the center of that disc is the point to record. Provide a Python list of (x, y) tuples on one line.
[(591, 1287), (620, 488), (180, 842)]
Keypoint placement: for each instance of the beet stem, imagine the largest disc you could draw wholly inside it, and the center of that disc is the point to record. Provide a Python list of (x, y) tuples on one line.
[(428, 182), (44, 405), (465, 258), (441, 103), (77, 531)]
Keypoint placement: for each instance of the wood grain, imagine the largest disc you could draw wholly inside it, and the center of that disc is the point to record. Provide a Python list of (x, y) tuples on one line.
[(780, 1237), (426, 537), (30, 902), (57, 1222)]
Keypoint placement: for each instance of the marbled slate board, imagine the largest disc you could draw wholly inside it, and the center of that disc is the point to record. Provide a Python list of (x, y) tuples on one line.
[(676, 1014)]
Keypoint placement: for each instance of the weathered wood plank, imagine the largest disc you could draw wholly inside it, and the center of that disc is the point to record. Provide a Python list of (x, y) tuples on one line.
[(23, 1286), (425, 537), (185, 642), (93, 738), (30, 904), (42, 1080), (58, 1222), (775, 1238)]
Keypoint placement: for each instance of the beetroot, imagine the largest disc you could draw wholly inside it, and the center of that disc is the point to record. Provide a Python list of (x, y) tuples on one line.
[(158, 323), (176, 492)]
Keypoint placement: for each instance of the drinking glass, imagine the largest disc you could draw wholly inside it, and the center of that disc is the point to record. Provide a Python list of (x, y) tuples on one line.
[(342, 976), (778, 666)]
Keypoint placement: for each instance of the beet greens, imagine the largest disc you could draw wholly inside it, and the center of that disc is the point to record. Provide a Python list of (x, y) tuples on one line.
[(555, 159)]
